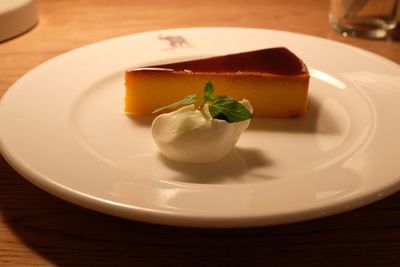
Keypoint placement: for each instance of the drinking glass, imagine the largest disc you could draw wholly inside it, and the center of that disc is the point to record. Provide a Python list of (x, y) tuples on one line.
[(364, 18)]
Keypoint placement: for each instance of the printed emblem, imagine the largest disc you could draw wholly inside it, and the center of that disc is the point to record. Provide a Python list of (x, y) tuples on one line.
[(175, 41)]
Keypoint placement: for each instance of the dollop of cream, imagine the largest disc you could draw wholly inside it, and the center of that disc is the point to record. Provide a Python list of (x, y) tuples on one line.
[(193, 136)]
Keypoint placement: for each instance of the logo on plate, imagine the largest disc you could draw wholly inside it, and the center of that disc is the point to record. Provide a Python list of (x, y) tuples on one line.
[(175, 41)]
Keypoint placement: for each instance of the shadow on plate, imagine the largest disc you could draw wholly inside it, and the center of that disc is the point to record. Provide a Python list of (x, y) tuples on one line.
[(228, 170), (308, 123), (141, 120)]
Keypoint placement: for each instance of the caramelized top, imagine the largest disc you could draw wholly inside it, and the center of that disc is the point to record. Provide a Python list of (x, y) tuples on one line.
[(278, 61)]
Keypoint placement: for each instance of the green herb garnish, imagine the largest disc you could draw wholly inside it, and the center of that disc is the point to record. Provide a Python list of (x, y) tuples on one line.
[(208, 93), (190, 99), (221, 107)]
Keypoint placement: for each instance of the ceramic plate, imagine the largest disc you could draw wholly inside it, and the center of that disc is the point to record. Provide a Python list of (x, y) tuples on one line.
[(63, 128)]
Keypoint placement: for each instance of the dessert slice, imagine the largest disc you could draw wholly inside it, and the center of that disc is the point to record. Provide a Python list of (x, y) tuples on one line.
[(274, 80)]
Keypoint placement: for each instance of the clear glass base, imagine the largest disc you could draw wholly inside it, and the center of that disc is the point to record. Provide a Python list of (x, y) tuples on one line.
[(368, 27)]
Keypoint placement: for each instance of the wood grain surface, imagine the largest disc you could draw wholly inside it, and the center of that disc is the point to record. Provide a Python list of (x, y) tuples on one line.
[(37, 229)]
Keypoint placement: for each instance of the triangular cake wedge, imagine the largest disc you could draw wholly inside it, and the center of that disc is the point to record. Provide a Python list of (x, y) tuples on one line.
[(274, 80)]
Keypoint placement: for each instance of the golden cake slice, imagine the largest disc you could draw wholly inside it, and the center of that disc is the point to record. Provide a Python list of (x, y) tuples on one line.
[(274, 80)]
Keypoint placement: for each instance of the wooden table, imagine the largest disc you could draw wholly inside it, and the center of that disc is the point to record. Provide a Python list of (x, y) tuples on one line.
[(39, 229)]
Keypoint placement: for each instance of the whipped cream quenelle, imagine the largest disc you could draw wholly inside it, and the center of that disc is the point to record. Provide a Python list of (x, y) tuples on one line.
[(193, 136)]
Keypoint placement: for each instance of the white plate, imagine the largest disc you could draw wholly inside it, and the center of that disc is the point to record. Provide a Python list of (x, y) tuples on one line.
[(63, 128)]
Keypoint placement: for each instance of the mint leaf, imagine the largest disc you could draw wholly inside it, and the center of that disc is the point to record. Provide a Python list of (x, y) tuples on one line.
[(190, 99), (208, 93), (227, 108)]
